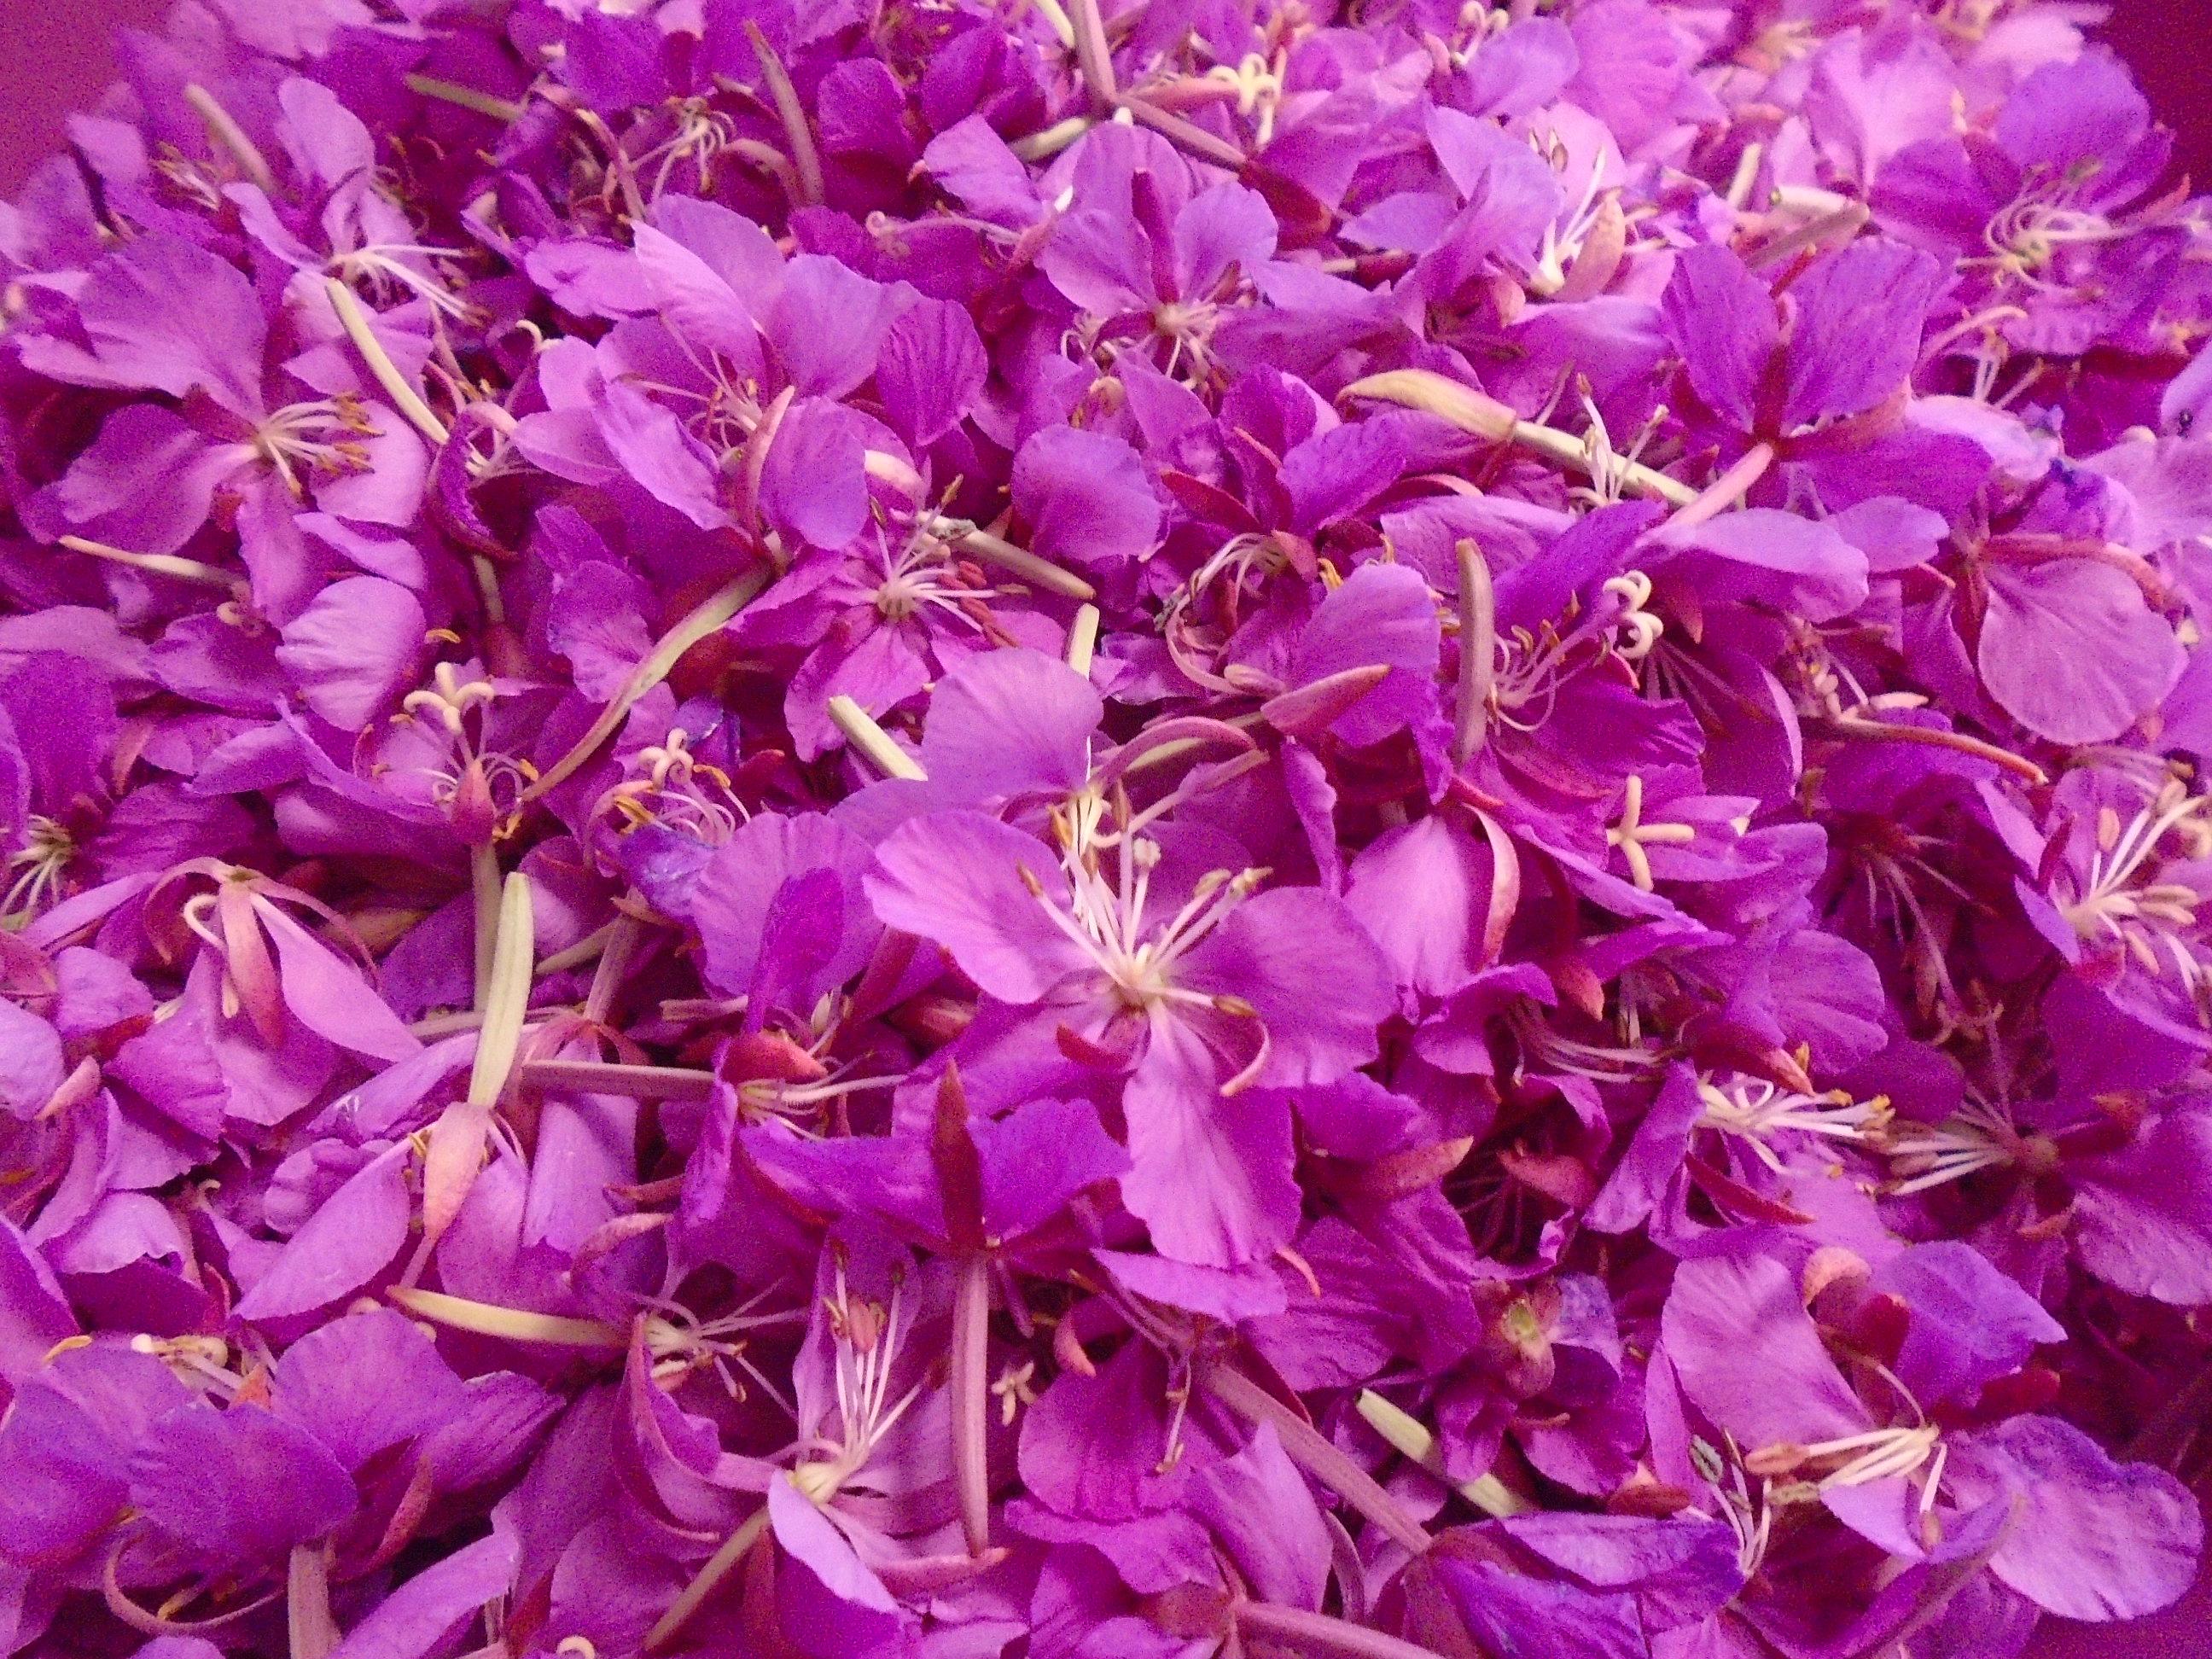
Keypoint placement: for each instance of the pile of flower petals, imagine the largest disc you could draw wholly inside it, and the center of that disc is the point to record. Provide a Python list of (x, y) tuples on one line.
[(1104, 829)]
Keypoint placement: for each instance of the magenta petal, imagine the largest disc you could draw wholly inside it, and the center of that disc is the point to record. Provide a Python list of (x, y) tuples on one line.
[(1039, 1156), (813, 485), (1858, 334), (356, 1233), (424, 1615), (2090, 1539), (34, 1313), (237, 1487), (354, 648), (164, 315), (1773, 557), (731, 903), (1507, 1613), (1320, 985), (2144, 1213), (956, 878), (146, 484), (653, 447), (1749, 1357), (365, 1382), (1211, 1174), (2072, 652), (828, 325), (932, 370), (1720, 318), (1423, 893), (1970, 1324), (1010, 722), (1260, 1506), (1086, 498), (697, 299), (329, 997), (822, 1552)]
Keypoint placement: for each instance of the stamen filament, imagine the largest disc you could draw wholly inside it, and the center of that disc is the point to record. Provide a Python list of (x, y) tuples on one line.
[(1094, 58), (313, 1632), (485, 884), (806, 158)]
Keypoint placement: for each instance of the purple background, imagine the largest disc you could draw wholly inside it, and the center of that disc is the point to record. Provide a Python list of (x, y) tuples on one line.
[(55, 55)]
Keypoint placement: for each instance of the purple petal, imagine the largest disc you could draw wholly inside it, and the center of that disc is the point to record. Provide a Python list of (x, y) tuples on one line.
[(1086, 498), (355, 1234), (1720, 318), (1320, 985), (329, 997), (731, 903), (813, 483), (2090, 1539), (147, 483), (1749, 1357), (1423, 891), (2143, 1215), (1970, 1324), (1039, 1156), (425, 1614), (1857, 337), (653, 447), (164, 315), (931, 371), (2072, 652), (955, 878), (237, 1487), (1211, 1174), (365, 1382), (354, 648), (1011, 722), (1260, 1507)]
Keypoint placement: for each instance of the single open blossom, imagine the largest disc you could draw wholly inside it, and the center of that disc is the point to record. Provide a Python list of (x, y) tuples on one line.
[(1100, 831), (1187, 980)]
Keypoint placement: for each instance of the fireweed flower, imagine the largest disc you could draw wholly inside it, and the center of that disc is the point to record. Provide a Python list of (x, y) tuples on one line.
[(1125, 829)]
